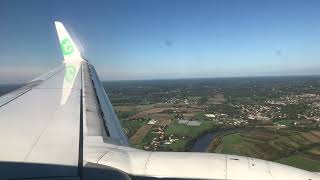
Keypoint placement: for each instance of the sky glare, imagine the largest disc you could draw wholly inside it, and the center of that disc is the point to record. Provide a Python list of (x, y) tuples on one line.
[(159, 39)]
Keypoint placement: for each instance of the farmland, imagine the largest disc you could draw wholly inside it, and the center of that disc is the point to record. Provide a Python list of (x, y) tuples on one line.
[(272, 118), (289, 147)]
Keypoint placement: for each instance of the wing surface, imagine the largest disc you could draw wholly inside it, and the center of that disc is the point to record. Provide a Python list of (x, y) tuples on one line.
[(36, 128)]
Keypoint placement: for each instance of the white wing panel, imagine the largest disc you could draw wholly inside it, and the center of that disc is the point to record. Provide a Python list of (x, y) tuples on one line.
[(191, 165), (36, 128)]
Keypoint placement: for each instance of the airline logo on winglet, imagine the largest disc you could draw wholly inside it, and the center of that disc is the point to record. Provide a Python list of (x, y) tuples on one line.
[(70, 73), (72, 61), (66, 47)]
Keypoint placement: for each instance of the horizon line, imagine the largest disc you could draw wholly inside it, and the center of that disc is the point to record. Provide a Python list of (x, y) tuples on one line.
[(186, 78), (217, 77)]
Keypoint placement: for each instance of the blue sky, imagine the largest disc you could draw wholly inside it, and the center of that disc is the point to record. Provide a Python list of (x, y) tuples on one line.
[(159, 39)]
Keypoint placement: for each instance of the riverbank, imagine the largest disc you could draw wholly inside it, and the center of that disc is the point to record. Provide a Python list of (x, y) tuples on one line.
[(208, 141)]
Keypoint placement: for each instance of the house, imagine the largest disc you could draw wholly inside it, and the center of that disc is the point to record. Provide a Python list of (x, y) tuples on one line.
[(183, 121), (152, 121), (210, 115), (194, 123)]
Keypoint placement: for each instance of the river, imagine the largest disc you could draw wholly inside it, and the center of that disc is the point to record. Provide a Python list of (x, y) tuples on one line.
[(202, 143)]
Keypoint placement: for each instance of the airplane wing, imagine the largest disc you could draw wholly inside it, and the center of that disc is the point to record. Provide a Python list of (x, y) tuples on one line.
[(62, 126)]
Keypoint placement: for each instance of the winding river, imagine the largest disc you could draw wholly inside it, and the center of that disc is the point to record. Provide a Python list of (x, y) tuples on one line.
[(202, 143)]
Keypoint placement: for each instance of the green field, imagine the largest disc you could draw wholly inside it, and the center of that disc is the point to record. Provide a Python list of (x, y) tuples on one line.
[(301, 161), (287, 123), (227, 146), (179, 145), (131, 126), (186, 134), (182, 130), (283, 146)]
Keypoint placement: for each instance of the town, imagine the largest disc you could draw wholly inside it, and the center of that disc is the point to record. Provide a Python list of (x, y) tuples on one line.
[(171, 115)]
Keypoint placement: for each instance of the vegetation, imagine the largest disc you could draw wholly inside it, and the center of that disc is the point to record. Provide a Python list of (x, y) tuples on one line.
[(284, 146), (302, 162), (131, 127), (291, 103), (229, 142), (179, 145), (192, 132), (287, 123)]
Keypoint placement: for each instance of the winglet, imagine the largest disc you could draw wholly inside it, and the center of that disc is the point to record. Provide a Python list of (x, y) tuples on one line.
[(72, 61), (68, 47)]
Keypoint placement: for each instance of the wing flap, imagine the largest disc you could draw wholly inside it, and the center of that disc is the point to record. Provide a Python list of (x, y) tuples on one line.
[(109, 117)]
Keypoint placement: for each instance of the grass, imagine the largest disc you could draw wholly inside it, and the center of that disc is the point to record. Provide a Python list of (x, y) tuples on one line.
[(284, 146), (148, 138), (186, 134), (201, 117), (302, 162), (132, 126), (182, 130), (179, 145), (229, 144), (288, 123)]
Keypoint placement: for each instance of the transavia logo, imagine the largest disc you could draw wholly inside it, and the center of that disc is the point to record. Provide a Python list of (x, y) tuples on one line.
[(66, 47), (70, 73)]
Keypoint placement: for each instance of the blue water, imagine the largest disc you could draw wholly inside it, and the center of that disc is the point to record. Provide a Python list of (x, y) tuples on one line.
[(202, 143)]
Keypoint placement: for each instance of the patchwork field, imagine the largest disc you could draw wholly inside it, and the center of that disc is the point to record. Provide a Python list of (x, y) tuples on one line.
[(302, 161), (285, 146), (246, 113), (131, 127), (140, 134), (149, 112)]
